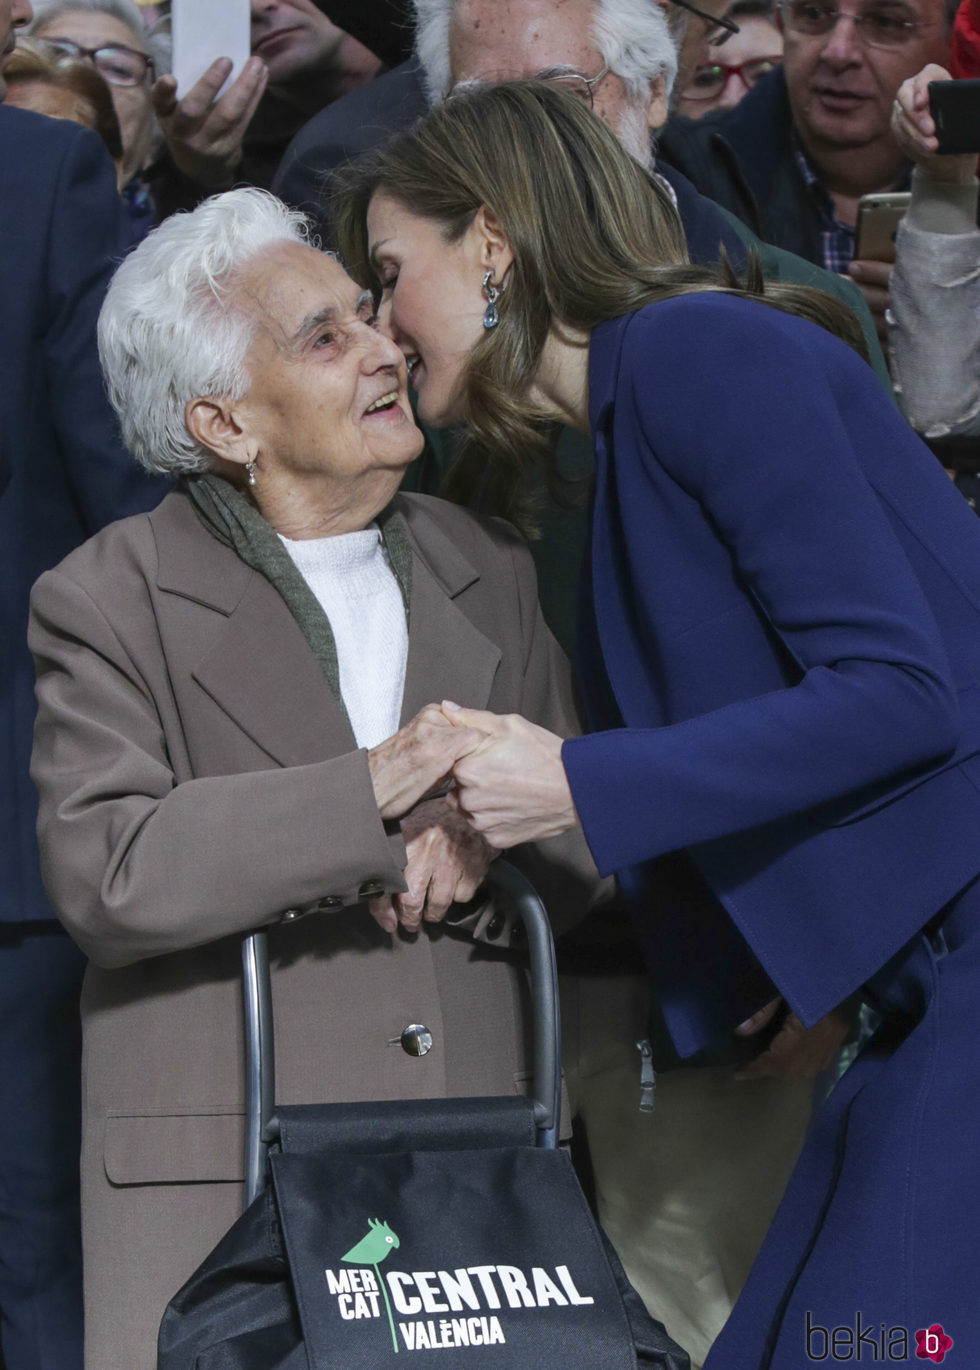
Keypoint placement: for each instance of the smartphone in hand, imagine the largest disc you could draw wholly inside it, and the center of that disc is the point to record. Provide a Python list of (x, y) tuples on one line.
[(877, 223), (203, 31), (955, 110)]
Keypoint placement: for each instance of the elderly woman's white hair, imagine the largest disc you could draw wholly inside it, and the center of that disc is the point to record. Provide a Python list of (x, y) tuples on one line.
[(631, 35), (170, 329)]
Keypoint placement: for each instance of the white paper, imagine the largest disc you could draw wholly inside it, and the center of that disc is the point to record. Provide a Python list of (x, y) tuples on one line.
[(203, 31)]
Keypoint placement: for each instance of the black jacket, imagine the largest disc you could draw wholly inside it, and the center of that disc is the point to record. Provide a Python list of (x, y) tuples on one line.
[(743, 159)]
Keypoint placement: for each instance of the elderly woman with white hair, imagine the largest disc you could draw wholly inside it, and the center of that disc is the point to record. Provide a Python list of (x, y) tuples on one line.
[(221, 685)]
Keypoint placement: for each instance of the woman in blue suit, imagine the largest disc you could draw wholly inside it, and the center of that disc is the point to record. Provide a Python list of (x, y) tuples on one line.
[(779, 658)]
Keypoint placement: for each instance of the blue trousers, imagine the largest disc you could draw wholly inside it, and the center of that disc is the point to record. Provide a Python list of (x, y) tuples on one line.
[(876, 1237), (40, 1107)]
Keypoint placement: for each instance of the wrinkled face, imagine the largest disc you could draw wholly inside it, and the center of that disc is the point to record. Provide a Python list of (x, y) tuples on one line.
[(841, 88), (137, 125), (433, 302), (13, 15), (328, 390), (496, 40)]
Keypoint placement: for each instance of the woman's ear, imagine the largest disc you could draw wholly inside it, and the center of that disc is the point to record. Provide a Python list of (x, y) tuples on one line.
[(495, 249), (214, 423)]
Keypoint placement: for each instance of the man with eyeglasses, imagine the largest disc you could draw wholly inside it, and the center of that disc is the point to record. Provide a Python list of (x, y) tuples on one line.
[(797, 153), (63, 475)]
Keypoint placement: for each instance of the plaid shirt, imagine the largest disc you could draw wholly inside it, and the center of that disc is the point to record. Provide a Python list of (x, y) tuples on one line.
[(836, 238)]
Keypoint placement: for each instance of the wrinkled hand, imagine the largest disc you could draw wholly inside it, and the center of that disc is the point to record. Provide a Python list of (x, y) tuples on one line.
[(417, 759), (513, 786), (915, 132), (873, 279), (204, 135), (447, 861), (795, 1052)]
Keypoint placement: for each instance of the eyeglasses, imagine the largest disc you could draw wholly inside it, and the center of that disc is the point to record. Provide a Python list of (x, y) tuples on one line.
[(719, 30), (882, 26), (118, 65), (575, 82), (709, 80)]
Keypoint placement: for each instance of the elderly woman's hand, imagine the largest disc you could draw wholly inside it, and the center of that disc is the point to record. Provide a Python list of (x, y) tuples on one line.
[(447, 860), (915, 132), (512, 786), (204, 134), (417, 759)]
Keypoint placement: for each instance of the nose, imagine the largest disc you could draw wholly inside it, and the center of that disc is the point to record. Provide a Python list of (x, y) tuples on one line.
[(843, 45), (381, 350), (22, 13)]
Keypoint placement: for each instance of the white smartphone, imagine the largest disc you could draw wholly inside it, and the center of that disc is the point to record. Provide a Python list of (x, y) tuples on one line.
[(203, 31)]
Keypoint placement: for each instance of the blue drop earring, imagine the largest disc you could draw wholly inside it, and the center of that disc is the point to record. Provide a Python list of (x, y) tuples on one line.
[(490, 317)]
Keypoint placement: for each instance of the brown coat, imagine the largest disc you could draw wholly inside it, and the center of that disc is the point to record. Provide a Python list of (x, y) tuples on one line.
[(197, 779)]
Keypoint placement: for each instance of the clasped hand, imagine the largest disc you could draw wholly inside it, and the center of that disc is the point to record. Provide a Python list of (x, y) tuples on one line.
[(509, 787)]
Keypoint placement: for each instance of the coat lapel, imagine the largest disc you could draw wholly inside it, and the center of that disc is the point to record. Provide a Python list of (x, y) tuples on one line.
[(256, 666), (261, 671)]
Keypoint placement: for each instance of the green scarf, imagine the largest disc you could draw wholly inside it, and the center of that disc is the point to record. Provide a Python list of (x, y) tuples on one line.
[(234, 521)]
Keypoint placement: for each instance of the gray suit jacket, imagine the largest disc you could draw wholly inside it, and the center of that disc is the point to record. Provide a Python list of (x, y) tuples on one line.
[(197, 779)]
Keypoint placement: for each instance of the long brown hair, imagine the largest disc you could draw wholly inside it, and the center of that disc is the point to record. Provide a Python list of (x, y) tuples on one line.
[(594, 236)]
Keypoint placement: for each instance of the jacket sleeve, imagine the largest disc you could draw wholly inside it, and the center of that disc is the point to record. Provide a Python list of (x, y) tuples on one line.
[(744, 410), (88, 234), (934, 327), (137, 864)]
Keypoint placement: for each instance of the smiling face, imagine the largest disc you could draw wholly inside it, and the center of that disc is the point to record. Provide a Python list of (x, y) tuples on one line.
[(433, 302), (326, 417), (841, 88)]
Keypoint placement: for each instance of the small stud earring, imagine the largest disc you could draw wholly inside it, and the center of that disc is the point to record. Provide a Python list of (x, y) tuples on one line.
[(250, 471), (490, 317)]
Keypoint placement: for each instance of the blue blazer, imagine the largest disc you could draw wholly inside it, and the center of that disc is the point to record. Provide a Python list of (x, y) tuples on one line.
[(786, 593), (63, 470)]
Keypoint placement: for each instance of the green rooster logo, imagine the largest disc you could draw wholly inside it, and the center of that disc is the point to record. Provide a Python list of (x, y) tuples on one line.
[(376, 1244)]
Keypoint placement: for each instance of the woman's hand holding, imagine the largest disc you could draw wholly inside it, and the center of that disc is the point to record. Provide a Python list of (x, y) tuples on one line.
[(416, 759), (447, 861), (915, 132), (512, 786)]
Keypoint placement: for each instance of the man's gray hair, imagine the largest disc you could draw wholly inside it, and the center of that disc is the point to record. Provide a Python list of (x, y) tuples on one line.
[(631, 36), (171, 328), (156, 45)]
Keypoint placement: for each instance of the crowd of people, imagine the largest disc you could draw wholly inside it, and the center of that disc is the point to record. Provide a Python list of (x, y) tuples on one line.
[(585, 501)]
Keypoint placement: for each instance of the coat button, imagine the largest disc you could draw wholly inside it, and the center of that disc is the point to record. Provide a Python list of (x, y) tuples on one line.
[(371, 889), (416, 1039)]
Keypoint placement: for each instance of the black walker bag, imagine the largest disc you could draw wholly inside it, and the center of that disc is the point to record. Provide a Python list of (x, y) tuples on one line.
[(380, 1235)]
